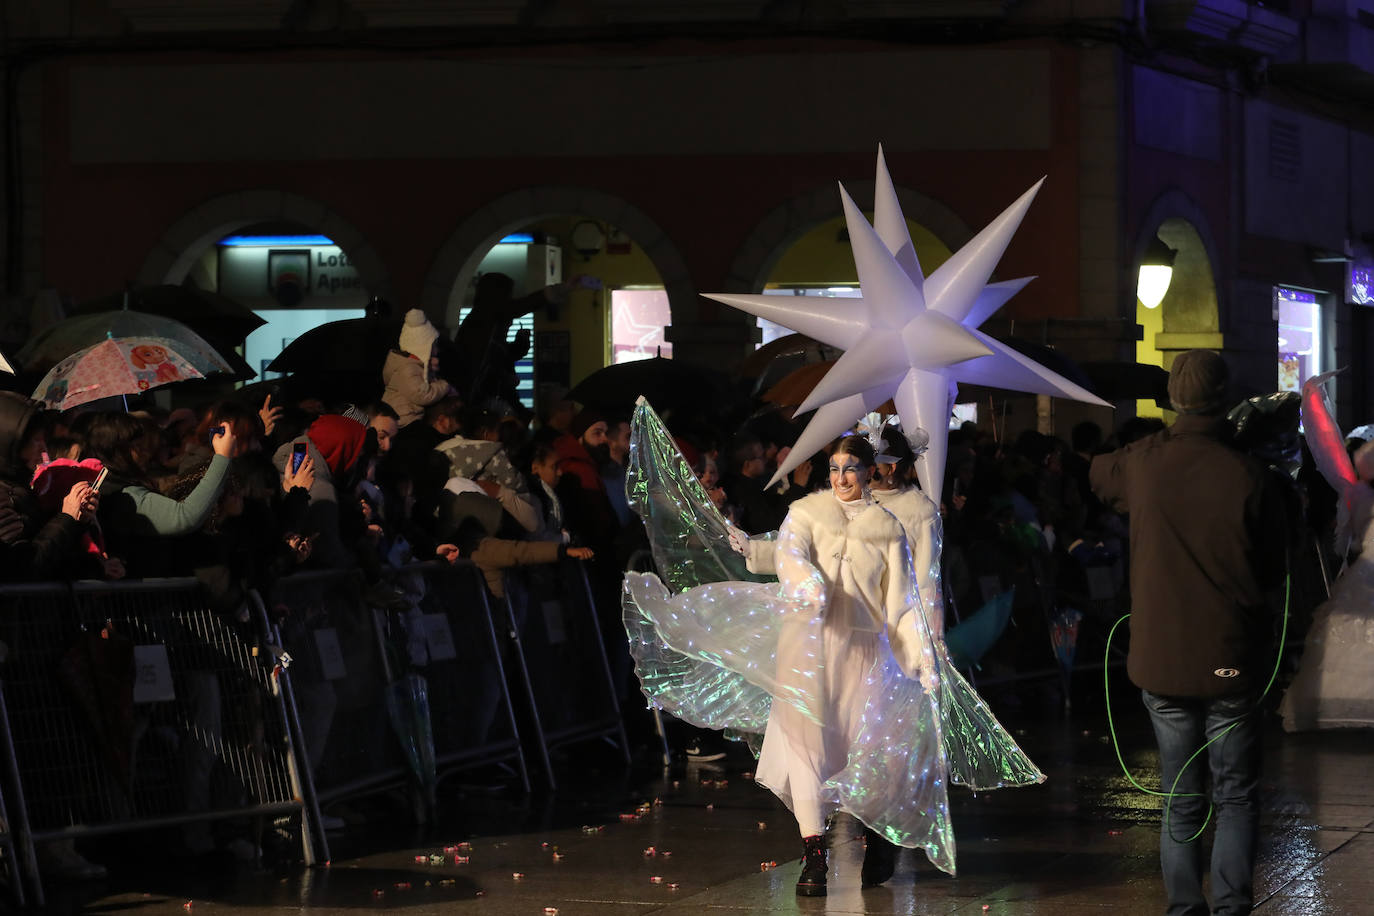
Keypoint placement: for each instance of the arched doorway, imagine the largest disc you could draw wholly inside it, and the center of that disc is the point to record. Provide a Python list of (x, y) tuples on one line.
[(1188, 316), (802, 248), (635, 283), (288, 258), (821, 263), (818, 218)]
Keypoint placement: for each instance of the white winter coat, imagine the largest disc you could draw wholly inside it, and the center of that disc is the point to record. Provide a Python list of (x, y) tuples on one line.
[(920, 519), (860, 568), (409, 389)]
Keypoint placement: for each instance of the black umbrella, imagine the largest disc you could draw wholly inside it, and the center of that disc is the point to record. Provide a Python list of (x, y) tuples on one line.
[(1114, 381), (663, 382), (70, 335), (217, 318), (1051, 359), (350, 345)]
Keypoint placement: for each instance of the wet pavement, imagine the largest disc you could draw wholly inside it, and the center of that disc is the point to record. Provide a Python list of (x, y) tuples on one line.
[(705, 838)]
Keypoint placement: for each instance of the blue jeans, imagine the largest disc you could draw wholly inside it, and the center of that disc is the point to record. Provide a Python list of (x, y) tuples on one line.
[(1183, 725)]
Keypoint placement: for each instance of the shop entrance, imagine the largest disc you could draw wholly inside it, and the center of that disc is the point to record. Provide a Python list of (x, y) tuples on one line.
[(291, 277), (573, 294)]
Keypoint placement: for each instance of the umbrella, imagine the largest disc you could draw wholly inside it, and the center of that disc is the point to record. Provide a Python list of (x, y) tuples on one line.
[(1064, 636), (1050, 358), (407, 705), (114, 367), (793, 388), (1118, 381), (756, 363), (971, 638), (6, 365), (666, 383), (353, 344), (214, 316), (61, 340)]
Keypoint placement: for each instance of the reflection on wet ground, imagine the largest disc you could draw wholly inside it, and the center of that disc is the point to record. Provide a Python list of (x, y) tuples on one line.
[(706, 837)]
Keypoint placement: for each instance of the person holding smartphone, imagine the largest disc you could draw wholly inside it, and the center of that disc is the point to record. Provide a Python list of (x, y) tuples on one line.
[(35, 545), (133, 515)]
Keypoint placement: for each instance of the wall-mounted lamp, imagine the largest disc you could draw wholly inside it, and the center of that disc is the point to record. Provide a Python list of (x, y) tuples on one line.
[(1156, 270), (588, 238)]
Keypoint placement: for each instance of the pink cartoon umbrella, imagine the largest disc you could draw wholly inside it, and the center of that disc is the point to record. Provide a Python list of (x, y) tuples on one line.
[(114, 367)]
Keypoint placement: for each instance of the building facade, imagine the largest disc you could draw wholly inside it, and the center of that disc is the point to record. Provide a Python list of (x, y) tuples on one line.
[(704, 140)]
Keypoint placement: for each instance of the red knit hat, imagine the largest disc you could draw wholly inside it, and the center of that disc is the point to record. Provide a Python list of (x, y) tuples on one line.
[(339, 439)]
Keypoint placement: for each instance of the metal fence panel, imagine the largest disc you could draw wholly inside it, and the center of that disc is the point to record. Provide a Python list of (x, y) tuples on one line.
[(339, 674), (133, 705), (569, 676), (450, 639)]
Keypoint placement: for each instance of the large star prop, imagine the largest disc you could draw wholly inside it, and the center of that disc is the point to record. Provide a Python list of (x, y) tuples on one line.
[(909, 337)]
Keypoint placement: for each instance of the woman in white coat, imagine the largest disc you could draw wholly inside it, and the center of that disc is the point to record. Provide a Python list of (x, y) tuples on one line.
[(893, 489), (829, 672), (843, 555)]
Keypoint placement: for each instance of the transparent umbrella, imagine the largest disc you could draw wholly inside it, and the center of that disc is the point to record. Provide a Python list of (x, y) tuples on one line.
[(55, 343), (115, 367)]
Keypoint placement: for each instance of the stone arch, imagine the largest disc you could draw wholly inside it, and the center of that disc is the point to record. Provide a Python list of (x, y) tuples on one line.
[(458, 258), (187, 239), (777, 231)]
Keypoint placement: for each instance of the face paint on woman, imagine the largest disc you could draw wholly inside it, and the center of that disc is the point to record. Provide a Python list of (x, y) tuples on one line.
[(848, 476)]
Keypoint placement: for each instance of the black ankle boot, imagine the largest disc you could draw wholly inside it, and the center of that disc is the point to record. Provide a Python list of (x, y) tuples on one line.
[(812, 880), (880, 859)]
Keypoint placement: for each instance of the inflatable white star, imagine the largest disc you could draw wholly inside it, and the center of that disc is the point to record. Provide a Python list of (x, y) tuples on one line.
[(909, 338)]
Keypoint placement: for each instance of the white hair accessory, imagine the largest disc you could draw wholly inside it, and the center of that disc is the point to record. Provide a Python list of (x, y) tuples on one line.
[(875, 439)]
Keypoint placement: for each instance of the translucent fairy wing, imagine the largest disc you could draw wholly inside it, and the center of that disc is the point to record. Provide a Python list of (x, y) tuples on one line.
[(709, 655), (694, 690), (688, 535), (897, 787), (702, 642), (980, 752)]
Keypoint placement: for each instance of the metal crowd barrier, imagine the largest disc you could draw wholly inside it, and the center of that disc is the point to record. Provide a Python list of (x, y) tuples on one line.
[(402, 694), (453, 644), (339, 674), (561, 659), (132, 705)]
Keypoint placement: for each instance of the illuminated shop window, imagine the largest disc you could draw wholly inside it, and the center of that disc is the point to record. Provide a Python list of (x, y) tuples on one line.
[(638, 317), (1300, 336)]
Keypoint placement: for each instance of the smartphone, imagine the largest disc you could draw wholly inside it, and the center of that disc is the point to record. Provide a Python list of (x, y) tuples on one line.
[(297, 456), (216, 431), (99, 479)]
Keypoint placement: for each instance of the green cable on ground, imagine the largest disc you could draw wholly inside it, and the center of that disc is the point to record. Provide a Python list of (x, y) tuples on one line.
[(1173, 790)]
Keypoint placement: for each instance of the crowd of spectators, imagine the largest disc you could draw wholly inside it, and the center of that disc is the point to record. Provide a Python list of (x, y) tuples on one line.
[(239, 494)]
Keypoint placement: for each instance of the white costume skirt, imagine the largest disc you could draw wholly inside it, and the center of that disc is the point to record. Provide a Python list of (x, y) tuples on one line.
[(1334, 687)]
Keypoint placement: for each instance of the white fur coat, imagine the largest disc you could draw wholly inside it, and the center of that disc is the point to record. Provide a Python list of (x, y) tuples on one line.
[(860, 568), (921, 520)]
